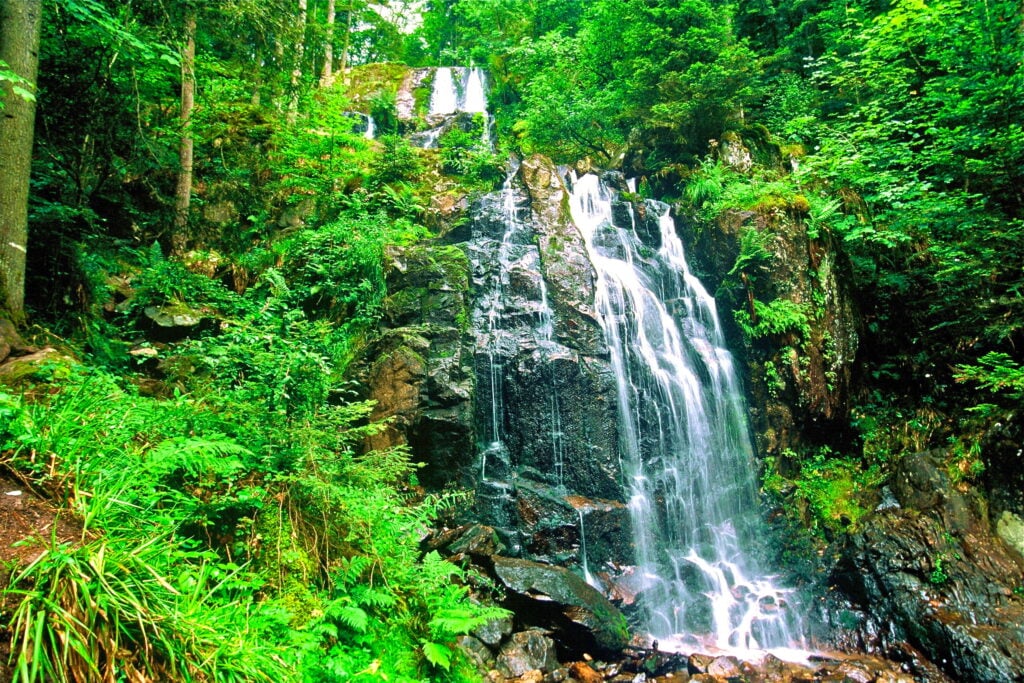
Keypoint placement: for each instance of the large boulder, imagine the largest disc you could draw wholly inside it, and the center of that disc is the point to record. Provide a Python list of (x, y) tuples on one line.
[(929, 571), (419, 369), (582, 620)]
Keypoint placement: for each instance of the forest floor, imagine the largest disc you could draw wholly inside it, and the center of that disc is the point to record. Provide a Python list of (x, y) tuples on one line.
[(27, 524)]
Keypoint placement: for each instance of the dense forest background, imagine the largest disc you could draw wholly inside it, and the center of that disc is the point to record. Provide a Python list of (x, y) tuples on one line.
[(200, 161)]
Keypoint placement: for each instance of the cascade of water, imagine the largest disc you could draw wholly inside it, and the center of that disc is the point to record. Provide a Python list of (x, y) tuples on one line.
[(545, 333), (495, 301), (371, 128), (444, 99), (474, 100), (686, 455)]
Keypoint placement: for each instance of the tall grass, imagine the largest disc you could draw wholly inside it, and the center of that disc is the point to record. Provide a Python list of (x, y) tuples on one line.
[(292, 557)]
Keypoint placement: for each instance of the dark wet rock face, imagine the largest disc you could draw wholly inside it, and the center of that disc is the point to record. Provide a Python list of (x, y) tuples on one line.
[(564, 257), (801, 377), (419, 369), (546, 452), (932, 573), (559, 599)]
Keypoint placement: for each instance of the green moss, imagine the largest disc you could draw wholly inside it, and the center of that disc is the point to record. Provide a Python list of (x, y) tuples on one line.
[(831, 488), (800, 204), (365, 81)]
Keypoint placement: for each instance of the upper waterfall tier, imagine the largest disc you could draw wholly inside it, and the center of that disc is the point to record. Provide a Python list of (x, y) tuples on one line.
[(458, 89)]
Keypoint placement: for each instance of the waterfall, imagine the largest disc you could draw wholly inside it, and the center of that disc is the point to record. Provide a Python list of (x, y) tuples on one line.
[(458, 89), (515, 252), (475, 99), (587, 576), (686, 456), (444, 99), (371, 128), (458, 92)]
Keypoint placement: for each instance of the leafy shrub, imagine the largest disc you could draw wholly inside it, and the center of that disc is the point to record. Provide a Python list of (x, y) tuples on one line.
[(337, 271), (777, 318), (468, 153)]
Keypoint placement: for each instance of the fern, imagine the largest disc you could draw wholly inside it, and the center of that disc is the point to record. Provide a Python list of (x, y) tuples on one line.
[(350, 615), (822, 211), (996, 372), (755, 252), (437, 654), (196, 457), (777, 318)]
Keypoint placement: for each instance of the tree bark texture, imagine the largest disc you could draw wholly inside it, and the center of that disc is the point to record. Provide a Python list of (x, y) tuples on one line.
[(20, 22), (300, 49), (327, 75), (183, 192)]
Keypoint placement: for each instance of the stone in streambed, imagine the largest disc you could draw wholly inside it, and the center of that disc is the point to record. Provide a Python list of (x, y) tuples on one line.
[(582, 618), (527, 651)]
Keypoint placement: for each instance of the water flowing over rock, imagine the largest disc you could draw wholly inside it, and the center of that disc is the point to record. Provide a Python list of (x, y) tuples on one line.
[(686, 454), (545, 398), (457, 95)]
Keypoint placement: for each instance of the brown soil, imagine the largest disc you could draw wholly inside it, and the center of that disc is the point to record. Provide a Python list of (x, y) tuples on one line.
[(28, 524)]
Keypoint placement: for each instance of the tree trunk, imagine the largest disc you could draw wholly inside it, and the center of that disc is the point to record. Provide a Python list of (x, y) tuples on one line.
[(20, 22), (327, 75), (300, 49), (183, 193), (348, 35)]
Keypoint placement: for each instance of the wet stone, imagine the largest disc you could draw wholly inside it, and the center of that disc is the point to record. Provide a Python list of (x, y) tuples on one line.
[(584, 673), (476, 651), (854, 674), (494, 631), (724, 667), (699, 663), (527, 651)]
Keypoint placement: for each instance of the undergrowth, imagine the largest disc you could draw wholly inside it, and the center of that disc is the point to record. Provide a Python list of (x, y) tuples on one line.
[(235, 529)]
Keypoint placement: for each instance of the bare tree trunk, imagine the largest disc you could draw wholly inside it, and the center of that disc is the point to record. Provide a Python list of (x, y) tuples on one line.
[(20, 22), (183, 193), (348, 34), (327, 75), (300, 49)]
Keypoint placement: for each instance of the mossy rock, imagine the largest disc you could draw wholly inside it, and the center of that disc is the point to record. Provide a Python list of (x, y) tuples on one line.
[(581, 613), (367, 80), (45, 365)]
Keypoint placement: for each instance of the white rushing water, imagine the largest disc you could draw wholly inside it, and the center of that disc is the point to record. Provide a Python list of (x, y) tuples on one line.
[(444, 98), (475, 99), (686, 453), (458, 89)]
